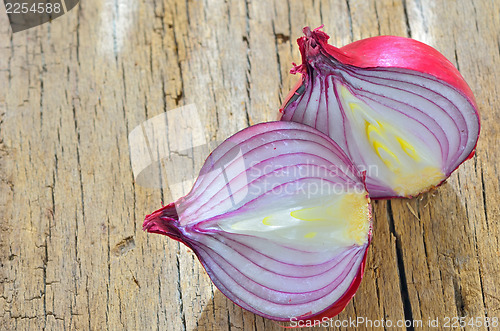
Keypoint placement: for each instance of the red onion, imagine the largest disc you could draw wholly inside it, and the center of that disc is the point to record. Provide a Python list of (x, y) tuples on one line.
[(280, 219), (397, 107)]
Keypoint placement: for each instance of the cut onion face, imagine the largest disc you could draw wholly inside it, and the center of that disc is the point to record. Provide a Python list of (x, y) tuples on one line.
[(280, 219), (397, 107)]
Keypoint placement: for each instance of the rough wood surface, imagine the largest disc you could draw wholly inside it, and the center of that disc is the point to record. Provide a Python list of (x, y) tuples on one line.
[(72, 252)]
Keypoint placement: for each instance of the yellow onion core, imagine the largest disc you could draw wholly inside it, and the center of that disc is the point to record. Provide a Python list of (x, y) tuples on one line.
[(331, 221), (402, 160)]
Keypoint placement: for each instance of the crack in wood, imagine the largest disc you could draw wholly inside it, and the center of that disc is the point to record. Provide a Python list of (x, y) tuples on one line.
[(403, 284)]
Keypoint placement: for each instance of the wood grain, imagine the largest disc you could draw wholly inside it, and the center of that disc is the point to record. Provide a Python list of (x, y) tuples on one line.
[(72, 252)]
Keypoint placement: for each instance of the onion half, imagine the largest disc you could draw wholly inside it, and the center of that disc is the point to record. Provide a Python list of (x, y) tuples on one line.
[(397, 107), (280, 219)]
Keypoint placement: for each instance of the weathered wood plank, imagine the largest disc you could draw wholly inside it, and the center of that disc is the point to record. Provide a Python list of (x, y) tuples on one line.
[(72, 252)]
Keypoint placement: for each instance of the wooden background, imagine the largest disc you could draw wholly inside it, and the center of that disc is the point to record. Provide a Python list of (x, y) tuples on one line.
[(72, 251)]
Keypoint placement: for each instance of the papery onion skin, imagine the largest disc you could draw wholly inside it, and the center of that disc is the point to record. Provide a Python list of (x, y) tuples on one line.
[(377, 53), (392, 52), (213, 235)]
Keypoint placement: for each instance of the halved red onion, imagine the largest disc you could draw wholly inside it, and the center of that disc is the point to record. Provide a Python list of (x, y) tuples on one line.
[(280, 219), (396, 106)]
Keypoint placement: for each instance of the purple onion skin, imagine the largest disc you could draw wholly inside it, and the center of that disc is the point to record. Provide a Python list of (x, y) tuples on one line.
[(381, 53)]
